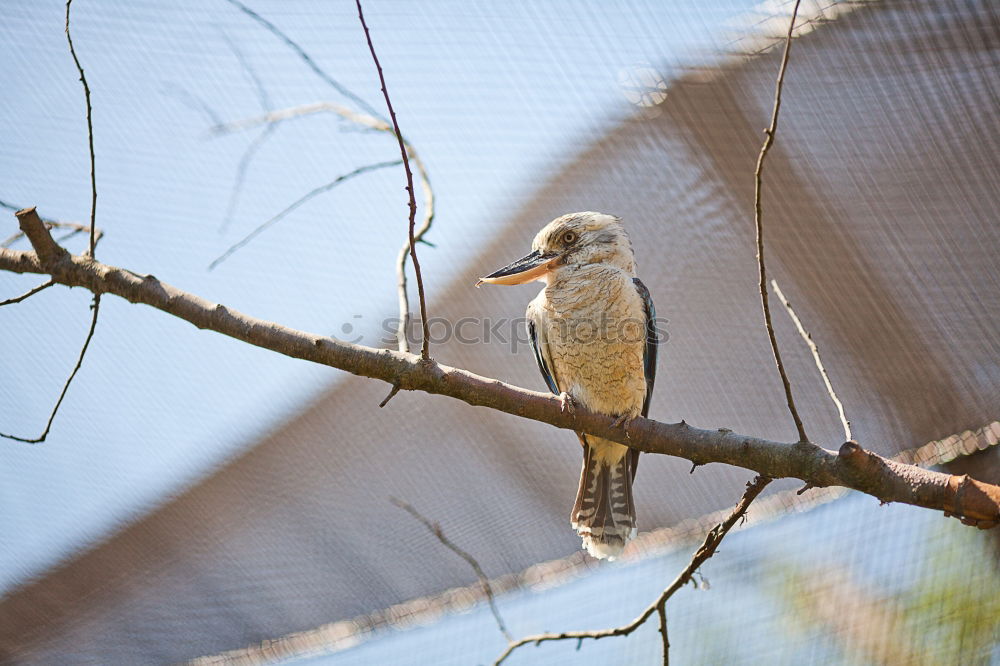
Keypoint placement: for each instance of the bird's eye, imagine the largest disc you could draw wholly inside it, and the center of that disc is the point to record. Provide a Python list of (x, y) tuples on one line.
[(569, 237)]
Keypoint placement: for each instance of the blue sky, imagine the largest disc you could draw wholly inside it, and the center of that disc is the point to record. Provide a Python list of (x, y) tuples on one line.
[(494, 95)]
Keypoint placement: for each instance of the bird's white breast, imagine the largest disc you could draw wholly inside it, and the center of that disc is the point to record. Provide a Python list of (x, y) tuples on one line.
[(593, 322)]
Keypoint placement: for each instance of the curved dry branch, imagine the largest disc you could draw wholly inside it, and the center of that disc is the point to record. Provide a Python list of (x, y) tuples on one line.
[(852, 467), (301, 111), (90, 138), (95, 308), (759, 222), (50, 252), (242, 167), (403, 150), (705, 551)]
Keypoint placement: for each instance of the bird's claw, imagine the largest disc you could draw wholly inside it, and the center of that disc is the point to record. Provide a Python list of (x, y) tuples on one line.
[(566, 403), (622, 422)]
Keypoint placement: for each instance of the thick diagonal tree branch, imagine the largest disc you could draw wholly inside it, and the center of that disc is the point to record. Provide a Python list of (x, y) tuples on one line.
[(851, 467)]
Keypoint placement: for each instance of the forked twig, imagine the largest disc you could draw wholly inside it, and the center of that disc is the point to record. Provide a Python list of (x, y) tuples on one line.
[(38, 232), (819, 362), (436, 530), (371, 119), (707, 549), (759, 222)]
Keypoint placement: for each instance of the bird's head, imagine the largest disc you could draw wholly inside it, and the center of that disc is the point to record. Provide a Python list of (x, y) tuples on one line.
[(566, 244)]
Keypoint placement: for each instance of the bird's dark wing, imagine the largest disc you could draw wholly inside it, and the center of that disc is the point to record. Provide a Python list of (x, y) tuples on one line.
[(648, 359), (652, 342), (541, 350)]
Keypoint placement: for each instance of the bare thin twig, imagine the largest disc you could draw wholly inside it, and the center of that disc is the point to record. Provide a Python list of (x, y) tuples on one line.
[(404, 300), (819, 362), (436, 530), (707, 549), (295, 204), (759, 221), (28, 294), (392, 394), (95, 306), (662, 610), (90, 135), (412, 197)]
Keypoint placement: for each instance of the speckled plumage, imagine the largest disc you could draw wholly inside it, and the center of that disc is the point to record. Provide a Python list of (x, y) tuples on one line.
[(595, 341), (593, 322)]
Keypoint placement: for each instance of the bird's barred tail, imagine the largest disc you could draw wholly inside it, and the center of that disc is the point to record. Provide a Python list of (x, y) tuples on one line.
[(604, 513)]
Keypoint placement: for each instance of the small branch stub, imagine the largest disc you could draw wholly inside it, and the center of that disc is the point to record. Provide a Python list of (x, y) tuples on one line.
[(39, 236), (850, 451)]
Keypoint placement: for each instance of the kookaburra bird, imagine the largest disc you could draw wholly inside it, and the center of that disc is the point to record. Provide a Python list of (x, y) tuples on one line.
[(593, 333)]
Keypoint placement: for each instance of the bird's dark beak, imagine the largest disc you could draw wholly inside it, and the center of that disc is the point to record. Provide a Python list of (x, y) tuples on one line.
[(529, 268)]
